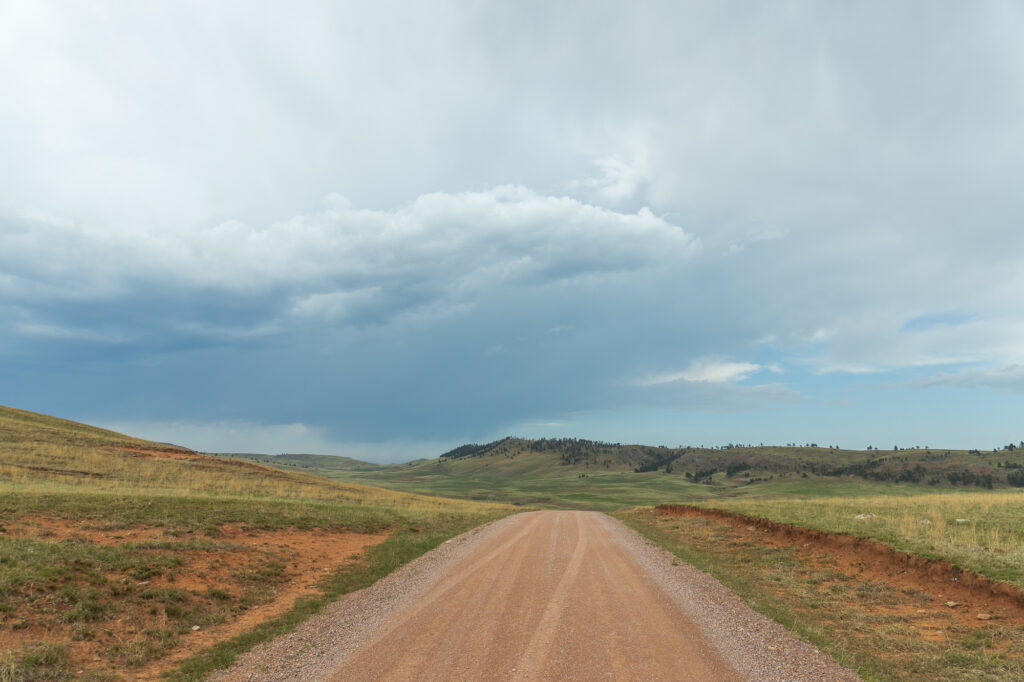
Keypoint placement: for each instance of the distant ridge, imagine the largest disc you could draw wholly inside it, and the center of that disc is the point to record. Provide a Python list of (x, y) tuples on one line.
[(1000, 467)]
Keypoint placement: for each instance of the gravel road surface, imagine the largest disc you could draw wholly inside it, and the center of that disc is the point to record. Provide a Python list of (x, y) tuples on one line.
[(541, 596)]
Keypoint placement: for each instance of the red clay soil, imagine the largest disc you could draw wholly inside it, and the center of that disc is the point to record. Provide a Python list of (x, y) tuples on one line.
[(975, 595), (62, 472), (308, 555), (161, 453)]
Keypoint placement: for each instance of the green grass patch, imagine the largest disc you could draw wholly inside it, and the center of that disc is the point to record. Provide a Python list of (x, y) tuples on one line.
[(34, 662)]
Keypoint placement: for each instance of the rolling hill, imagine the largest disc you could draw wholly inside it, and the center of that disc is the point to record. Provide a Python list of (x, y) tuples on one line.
[(48, 454), (583, 473)]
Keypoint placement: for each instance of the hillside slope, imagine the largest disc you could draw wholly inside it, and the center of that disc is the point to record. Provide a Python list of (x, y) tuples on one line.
[(917, 465), (592, 474), (997, 467), (122, 558), (40, 453)]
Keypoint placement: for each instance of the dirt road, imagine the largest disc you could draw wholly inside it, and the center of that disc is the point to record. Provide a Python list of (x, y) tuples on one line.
[(550, 596)]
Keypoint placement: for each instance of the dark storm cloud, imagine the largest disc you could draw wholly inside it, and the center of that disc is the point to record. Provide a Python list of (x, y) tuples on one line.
[(363, 220)]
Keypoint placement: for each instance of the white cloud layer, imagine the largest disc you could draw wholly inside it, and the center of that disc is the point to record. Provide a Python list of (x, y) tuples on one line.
[(619, 182), (345, 262), (274, 439), (706, 370), (1009, 379)]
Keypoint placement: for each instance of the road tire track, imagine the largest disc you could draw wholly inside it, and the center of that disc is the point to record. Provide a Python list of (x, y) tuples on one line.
[(541, 596)]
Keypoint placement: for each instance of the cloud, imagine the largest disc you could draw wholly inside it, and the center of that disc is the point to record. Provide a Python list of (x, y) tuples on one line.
[(813, 202), (752, 236), (721, 396), (338, 305), (619, 181), (1009, 379), (345, 263), (888, 340), (704, 370), (52, 331), (273, 439), (710, 384)]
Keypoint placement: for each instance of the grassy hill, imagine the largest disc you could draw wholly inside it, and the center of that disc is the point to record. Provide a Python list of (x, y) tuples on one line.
[(47, 454), (590, 474), (123, 557)]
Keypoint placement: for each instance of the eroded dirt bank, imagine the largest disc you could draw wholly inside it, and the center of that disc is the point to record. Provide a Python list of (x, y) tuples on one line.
[(972, 594)]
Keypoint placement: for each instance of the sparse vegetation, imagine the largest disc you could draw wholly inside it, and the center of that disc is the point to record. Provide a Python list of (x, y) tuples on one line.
[(34, 662)]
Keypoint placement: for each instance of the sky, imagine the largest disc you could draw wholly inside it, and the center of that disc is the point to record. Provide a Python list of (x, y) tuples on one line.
[(383, 229)]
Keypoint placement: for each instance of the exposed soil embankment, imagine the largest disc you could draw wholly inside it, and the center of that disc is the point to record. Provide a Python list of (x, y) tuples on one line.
[(972, 593)]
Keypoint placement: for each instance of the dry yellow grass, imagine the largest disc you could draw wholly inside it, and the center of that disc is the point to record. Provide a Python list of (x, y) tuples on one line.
[(40, 454)]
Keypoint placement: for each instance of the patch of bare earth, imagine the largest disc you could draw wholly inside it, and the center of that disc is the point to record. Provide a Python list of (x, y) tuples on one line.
[(160, 453), (301, 559)]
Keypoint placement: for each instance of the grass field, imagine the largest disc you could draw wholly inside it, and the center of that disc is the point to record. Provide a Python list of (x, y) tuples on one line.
[(118, 555), (565, 488), (562, 489), (571, 473), (540, 480)]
